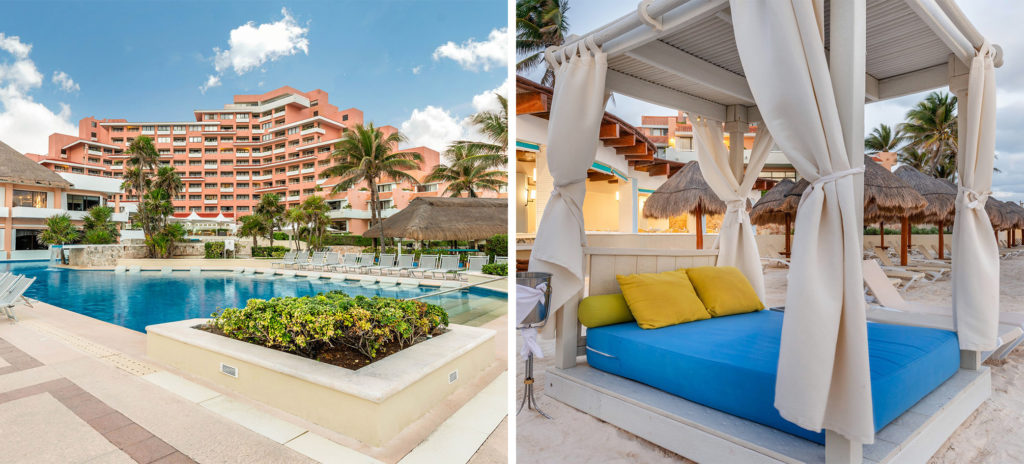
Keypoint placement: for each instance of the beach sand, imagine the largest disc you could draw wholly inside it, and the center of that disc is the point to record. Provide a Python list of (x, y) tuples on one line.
[(993, 434)]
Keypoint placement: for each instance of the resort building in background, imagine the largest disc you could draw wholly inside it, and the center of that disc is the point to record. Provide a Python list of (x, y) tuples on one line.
[(278, 142), (30, 193)]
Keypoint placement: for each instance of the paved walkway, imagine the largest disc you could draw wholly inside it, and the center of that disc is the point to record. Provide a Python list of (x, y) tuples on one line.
[(77, 390)]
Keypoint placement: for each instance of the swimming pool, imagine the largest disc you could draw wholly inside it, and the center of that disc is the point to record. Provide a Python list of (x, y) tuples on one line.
[(137, 300)]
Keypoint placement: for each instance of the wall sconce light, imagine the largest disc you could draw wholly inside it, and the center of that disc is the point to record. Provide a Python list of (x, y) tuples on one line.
[(616, 195)]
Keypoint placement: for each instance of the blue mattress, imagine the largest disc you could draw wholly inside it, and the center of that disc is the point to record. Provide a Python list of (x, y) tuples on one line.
[(729, 364)]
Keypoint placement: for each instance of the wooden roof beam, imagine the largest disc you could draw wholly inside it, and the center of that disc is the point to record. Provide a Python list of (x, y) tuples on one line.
[(532, 103), (624, 141)]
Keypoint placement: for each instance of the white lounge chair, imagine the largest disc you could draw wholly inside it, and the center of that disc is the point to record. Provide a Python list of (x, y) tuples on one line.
[(9, 298), (331, 260), (427, 264), (366, 261), (386, 261), (347, 261), (934, 270), (501, 260), (288, 258), (449, 265), (316, 260), (475, 264), (1011, 325), (404, 263), (773, 257), (301, 258)]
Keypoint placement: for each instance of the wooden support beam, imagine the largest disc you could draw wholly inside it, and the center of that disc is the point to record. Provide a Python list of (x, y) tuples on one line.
[(624, 141), (638, 149), (531, 103), (599, 176), (646, 157), (661, 169), (608, 131)]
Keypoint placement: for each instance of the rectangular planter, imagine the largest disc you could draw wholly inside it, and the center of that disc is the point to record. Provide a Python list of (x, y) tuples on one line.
[(371, 404)]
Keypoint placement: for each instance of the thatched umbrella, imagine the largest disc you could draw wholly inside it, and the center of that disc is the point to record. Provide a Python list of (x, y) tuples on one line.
[(885, 196), (768, 210), (685, 192), (1012, 219), (1018, 223), (941, 198), (446, 219)]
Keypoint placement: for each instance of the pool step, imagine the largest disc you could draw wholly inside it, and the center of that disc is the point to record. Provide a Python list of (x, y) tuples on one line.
[(134, 269)]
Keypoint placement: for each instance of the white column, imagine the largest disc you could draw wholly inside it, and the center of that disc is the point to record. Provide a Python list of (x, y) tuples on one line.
[(847, 66), (626, 190)]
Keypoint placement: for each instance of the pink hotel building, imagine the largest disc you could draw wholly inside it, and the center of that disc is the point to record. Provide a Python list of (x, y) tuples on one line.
[(278, 142)]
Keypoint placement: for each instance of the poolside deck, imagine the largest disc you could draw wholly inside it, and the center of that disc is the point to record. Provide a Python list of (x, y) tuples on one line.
[(64, 374)]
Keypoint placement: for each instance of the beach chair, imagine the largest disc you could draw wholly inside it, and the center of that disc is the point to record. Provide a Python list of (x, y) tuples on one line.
[(331, 260), (316, 260), (404, 263), (427, 264), (386, 260), (501, 260), (1011, 325), (300, 258), (347, 261), (449, 265), (934, 271), (475, 264), (929, 254), (288, 258), (9, 298), (366, 260), (773, 257)]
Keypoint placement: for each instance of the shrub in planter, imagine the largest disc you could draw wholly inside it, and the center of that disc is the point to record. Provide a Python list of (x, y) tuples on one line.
[(213, 250), (497, 269), (269, 251), (307, 326)]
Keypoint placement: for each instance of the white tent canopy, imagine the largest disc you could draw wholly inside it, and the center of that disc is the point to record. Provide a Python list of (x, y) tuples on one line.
[(775, 66)]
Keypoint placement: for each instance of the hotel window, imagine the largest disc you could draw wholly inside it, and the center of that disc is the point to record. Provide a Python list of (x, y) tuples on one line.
[(179, 151), (341, 225), (163, 128), (293, 130), (117, 129), (242, 197), (94, 172), (385, 204), (195, 139), (243, 208), (195, 174), (163, 140), (211, 186), (31, 198), (195, 197), (266, 125), (314, 102), (163, 151), (179, 162), (308, 191), (78, 171), (94, 160), (659, 131), (385, 188), (194, 162), (344, 117), (27, 240), (179, 209), (209, 117), (242, 185), (194, 209), (147, 128), (178, 129), (308, 178), (211, 209), (227, 116), (195, 128), (426, 188), (225, 208), (211, 128), (227, 197)]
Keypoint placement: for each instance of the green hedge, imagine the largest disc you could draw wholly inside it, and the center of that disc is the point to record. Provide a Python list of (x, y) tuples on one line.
[(269, 251), (308, 325), (496, 269), (281, 236), (497, 246), (214, 250), (913, 230), (347, 240)]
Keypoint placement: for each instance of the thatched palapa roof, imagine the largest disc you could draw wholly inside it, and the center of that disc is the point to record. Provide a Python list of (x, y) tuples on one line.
[(19, 169), (941, 196), (768, 210), (683, 193), (442, 218), (886, 197)]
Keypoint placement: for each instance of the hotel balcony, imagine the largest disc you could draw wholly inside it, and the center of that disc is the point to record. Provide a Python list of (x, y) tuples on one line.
[(34, 213), (210, 144), (358, 213), (292, 198), (210, 166), (293, 172), (179, 132), (308, 170), (163, 132), (267, 177), (256, 130), (239, 154), (80, 215), (278, 151), (241, 176), (178, 144), (148, 132), (94, 151), (227, 189), (314, 130), (195, 189), (210, 202)]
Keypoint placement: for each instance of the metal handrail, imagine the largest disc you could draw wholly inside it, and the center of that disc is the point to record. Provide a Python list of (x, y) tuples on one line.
[(441, 292)]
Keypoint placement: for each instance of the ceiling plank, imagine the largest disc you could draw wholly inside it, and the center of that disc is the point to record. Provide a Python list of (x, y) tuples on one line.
[(673, 60)]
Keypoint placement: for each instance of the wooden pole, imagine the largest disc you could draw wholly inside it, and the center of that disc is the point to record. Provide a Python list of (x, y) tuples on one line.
[(787, 236), (881, 236), (942, 237), (700, 228), (905, 234)]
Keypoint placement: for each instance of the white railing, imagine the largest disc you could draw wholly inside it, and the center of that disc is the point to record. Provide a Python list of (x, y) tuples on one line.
[(314, 130), (195, 155), (241, 177), (292, 173), (210, 202), (227, 189), (262, 177), (241, 154), (178, 144), (292, 198), (195, 189), (210, 144), (34, 213), (94, 152), (308, 170), (278, 151)]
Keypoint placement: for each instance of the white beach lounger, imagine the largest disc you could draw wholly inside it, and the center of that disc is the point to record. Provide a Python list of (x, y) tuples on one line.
[(404, 263), (387, 261), (935, 271), (9, 298), (449, 265), (427, 264), (317, 260), (1011, 325), (301, 258), (366, 260), (347, 262), (288, 258), (475, 264), (331, 260)]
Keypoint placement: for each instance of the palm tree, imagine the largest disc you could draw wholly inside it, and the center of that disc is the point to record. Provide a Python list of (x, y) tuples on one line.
[(168, 180), (911, 156), (467, 173), (99, 226), (884, 138), (297, 218), (315, 210), (932, 128), (59, 231), (539, 25), (252, 226), (494, 126), (271, 211), (142, 159), (366, 154)]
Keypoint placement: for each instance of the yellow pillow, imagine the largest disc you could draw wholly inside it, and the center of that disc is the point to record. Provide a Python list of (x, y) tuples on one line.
[(601, 310), (663, 299), (724, 290)]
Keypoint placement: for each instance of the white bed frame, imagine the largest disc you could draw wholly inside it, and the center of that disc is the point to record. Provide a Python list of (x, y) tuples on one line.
[(707, 435)]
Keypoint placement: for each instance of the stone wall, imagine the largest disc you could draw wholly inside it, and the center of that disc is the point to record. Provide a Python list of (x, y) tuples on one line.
[(95, 255)]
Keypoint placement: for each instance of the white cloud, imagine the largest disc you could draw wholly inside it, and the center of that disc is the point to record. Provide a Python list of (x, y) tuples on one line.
[(417, 69), (211, 82), (64, 81), (251, 46), (474, 56), (432, 127), (487, 101), (24, 123)]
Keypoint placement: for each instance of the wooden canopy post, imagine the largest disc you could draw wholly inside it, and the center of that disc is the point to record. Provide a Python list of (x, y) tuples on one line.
[(788, 239), (881, 235), (942, 239), (905, 239), (700, 227)]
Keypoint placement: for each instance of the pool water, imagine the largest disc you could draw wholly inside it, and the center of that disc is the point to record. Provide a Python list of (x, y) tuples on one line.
[(137, 300)]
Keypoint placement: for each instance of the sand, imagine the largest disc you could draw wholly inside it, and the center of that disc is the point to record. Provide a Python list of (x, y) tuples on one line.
[(993, 434)]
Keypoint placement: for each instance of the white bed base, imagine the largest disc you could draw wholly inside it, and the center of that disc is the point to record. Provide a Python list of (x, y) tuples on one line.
[(709, 436)]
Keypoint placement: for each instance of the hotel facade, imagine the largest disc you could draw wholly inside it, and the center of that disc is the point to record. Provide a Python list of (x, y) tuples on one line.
[(278, 142)]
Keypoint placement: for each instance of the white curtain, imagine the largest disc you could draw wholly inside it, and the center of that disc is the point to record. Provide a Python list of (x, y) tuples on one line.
[(736, 243), (577, 108), (823, 375), (975, 251)]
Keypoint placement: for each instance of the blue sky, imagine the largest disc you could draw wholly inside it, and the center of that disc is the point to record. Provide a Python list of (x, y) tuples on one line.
[(148, 60), (998, 21)]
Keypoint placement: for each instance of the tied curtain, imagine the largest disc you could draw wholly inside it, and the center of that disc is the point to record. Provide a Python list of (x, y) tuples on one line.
[(975, 251), (577, 108), (736, 242), (823, 374)]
